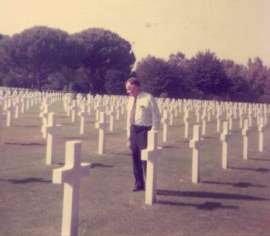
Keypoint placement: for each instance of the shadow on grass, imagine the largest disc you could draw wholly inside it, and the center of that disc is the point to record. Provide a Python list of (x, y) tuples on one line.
[(25, 144), (208, 137), (259, 159), (92, 165), (169, 146), (120, 153), (27, 126), (209, 206), (210, 195), (264, 170), (238, 185), (27, 180), (59, 163), (70, 138), (113, 133), (95, 165)]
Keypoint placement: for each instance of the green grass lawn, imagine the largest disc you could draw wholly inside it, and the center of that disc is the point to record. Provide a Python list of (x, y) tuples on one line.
[(231, 202)]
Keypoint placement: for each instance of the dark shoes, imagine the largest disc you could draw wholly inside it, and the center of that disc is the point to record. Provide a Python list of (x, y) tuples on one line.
[(136, 189)]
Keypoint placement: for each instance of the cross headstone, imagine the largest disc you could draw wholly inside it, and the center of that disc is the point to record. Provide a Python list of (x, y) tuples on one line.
[(170, 116), (241, 118), (261, 129), (50, 148), (186, 122), (82, 114), (73, 111), (203, 122), (224, 141), (245, 133), (151, 154), (70, 176), (194, 145), (111, 119), (218, 117), (9, 116), (165, 121), (101, 125)]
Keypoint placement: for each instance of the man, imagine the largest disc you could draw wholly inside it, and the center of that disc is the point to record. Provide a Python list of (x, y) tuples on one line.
[(142, 115)]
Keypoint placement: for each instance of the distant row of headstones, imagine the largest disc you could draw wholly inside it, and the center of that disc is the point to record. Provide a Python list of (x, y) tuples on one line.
[(106, 110)]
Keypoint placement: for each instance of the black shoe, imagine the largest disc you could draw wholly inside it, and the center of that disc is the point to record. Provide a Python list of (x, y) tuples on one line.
[(136, 189)]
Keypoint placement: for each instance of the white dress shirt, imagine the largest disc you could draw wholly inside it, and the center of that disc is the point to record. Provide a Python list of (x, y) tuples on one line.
[(146, 111)]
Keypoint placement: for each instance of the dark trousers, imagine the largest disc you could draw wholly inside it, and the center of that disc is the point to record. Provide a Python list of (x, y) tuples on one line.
[(138, 141)]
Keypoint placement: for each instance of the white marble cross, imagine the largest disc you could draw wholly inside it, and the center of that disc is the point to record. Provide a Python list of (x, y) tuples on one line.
[(101, 125), (218, 117), (261, 129), (50, 148), (245, 133), (170, 116), (151, 154), (186, 122), (194, 145), (230, 122), (203, 120), (73, 111), (82, 114), (224, 141), (17, 107), (241, 118), (9, 110), (165, 121), (70, 175), (112, 114)]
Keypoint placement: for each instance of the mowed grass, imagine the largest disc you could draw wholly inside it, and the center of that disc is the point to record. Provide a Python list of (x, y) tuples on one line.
[(225, 202)]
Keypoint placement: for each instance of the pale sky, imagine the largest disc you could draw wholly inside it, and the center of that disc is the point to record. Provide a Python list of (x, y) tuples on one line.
[(233, 29)]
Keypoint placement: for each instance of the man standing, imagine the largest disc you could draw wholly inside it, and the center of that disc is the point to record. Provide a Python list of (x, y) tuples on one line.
[(142, 115)]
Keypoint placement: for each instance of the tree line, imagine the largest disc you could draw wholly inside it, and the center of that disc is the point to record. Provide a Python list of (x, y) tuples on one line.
[(99, 61)]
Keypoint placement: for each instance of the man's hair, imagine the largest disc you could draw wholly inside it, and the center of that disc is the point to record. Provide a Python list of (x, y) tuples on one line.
[(134, 81)]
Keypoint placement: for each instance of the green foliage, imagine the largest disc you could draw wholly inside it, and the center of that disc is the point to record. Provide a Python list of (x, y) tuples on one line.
[(104, 51), (207, 74), (155, 75), (115, 82), (99, 61)]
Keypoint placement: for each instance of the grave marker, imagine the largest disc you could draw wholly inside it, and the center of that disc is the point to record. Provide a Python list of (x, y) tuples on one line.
[(194, 145), (70, 176), (151, 154)]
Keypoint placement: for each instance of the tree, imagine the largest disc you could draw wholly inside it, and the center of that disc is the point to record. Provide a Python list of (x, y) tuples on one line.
[(257, 75), (240, 89), (115, 82), (105, 51), (178, 68), (207, 75), (155, 76), (40, 51)]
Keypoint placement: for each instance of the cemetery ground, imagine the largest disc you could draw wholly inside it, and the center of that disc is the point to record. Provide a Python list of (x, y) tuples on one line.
[(231, 202)]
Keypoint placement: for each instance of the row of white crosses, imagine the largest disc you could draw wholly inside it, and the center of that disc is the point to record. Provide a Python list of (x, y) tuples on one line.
[(225, 113), (74, 170), (70, 175), (17, 103), (46, 101), (194, 144), (111, 105)]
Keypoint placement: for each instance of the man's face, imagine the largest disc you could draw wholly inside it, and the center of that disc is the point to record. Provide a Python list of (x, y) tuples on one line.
[(132, 89)]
